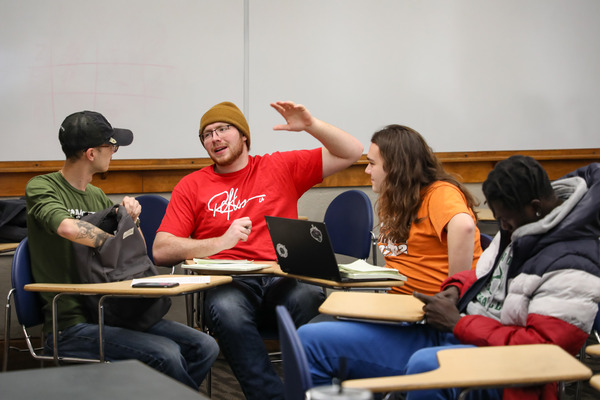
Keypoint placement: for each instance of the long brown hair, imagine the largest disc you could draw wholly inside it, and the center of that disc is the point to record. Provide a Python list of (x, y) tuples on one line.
[(411, 166)]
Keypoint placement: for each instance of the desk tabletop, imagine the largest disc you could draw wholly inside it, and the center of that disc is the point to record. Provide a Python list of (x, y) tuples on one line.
[(593, 349), (124, 287), (130, 380), (275, 269), (484, 214), (374, 307), (6, 247), (495, 366)]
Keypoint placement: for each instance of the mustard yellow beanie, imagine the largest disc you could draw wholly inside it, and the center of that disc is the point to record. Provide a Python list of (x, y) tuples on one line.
[(229, 113)]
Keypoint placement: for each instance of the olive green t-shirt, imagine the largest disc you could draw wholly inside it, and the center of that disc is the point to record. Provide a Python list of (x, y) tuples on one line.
[(50, 200)]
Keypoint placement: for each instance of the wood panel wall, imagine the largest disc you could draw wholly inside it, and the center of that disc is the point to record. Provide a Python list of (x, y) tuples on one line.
[(161, 175)]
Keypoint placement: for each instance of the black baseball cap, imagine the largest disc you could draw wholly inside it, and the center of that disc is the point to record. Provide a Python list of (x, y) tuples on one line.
[(85, 129)]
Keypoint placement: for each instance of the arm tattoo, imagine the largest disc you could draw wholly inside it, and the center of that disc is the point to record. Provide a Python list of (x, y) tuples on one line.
[(91, 232)]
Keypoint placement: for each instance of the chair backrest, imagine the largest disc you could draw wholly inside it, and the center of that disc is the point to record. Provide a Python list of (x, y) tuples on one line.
[(485, 240), (349, 220), (28, 305), (154, 207), (296, 374)]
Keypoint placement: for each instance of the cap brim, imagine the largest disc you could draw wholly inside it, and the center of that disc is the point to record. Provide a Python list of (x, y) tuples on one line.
[(124, 137)]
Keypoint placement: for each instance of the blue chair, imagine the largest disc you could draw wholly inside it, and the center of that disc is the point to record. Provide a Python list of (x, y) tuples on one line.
[(153, 210), (349, 221), (296, 374), (28, 307), (485, 240)]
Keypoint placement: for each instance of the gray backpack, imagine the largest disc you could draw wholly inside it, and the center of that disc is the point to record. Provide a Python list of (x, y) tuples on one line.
[(121, 257)]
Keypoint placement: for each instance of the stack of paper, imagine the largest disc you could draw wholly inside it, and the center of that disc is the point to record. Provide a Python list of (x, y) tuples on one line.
[(360, 269), (225, 265)]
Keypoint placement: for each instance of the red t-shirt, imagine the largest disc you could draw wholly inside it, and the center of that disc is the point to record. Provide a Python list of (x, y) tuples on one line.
[(203, 204)]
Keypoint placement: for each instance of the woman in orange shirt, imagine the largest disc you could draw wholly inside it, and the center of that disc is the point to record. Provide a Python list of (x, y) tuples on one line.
[(427, 223)]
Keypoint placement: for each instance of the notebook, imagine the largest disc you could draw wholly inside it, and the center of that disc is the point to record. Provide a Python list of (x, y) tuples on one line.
[(205, 264), (303, 248)]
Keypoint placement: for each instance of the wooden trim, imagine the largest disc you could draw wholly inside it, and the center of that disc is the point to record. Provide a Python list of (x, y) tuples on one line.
[(161, 175)]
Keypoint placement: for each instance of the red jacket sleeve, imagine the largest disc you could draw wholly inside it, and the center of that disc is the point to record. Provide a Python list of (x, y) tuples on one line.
[(483, 331), (462, 280)]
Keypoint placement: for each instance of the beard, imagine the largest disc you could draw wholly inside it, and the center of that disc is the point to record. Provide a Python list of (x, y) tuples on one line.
[(234, 153)]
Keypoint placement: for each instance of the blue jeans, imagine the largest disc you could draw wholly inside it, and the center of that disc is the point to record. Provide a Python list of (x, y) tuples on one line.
[(375, 350), (237, 313), (181, 352)]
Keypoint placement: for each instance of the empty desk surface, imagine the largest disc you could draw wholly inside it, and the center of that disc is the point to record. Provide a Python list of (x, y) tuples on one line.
[(373, 306), (6, 247), (495, 366), (131, 380)]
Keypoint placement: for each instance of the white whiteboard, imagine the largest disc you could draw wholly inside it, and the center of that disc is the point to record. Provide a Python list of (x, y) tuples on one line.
[(469, 75), (153, 66)]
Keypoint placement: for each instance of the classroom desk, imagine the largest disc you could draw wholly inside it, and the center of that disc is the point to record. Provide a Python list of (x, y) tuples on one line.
[(373, 307), (6, 247), (485, 214), (130, 380), (593, 349), (481, 367), (275, 270), (117, 289)]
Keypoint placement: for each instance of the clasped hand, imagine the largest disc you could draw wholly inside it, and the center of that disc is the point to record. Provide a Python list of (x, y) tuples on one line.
[(440, 309), (132, 206), (239, 230)]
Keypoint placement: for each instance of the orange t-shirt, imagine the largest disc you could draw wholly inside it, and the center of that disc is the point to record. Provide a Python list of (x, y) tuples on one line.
[(423, 259)]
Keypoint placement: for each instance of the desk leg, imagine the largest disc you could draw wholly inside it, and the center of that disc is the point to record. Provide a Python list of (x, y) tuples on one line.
[(101, 327), (55, 332), (7, 316), (189, 308), (55, 327)]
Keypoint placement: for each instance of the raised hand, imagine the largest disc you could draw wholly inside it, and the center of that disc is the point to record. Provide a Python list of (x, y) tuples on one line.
[(298, 118)]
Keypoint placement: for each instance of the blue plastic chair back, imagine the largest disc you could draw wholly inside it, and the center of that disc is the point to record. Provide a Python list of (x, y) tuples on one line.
[(296, 374), (596, 325), (485, 240), (28, 305), (349, 221), (153, 210)]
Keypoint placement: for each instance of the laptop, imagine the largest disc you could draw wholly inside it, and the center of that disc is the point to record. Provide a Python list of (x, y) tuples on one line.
[(303, 248)]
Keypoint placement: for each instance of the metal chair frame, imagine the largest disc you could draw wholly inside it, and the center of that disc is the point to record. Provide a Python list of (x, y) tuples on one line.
[(28, 307)]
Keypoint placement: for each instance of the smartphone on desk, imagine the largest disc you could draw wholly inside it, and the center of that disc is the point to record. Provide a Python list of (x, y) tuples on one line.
[(155, 284)]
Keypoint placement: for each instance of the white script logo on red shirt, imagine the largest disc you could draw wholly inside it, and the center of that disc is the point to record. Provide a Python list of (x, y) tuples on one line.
[(227, 202)]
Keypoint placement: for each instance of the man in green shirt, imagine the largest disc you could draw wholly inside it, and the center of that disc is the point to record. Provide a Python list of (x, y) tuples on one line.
[(55, 202)]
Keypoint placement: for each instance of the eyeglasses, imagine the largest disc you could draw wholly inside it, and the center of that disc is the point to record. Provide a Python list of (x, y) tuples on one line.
[(115, 147), (209, 133)]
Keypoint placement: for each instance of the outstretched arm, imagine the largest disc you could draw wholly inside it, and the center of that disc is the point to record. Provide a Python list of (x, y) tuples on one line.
[(82, 232), (340, 148)]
